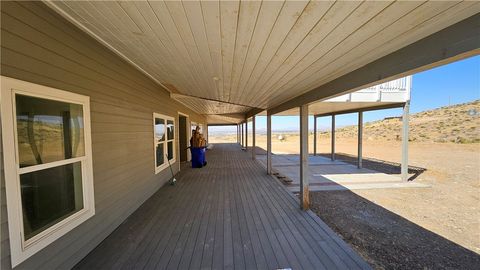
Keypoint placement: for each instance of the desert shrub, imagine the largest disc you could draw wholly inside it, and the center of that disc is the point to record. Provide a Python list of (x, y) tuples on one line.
[(461, 140)]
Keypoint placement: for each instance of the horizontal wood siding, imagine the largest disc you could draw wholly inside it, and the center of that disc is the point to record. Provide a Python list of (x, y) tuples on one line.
[(41, 47), (4, 243)]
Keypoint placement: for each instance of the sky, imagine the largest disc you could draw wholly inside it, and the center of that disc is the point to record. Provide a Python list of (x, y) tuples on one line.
[(454, 83)]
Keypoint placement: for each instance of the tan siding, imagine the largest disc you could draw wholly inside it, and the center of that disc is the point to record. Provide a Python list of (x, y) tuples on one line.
[(4, 243), (41, 47)]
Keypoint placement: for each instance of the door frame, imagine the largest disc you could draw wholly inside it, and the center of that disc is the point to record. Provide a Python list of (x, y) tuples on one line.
[(187, 127)]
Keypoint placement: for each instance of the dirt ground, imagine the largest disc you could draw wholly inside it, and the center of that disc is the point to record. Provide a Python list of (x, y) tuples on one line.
[(387, 240), (427, 228)]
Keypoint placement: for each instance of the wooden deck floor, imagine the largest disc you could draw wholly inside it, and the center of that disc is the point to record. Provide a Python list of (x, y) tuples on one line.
[(228, 215)]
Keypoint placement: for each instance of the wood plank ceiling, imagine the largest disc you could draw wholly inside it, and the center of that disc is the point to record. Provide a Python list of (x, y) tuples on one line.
[(254, 53)]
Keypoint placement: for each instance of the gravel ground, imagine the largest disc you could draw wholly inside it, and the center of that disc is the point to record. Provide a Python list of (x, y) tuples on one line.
[(387, 240)]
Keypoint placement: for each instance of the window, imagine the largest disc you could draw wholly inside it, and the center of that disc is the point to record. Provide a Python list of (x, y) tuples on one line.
[(48, 164), (194, 126), (164, 141)]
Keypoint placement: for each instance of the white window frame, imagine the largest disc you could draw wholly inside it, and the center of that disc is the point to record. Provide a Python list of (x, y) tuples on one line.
[(165, 142), (20, 248), (194, 125)]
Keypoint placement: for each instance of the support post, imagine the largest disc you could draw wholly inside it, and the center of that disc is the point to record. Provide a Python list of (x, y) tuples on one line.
[(206, 133), (241, 132), (304, 189), (246, 135), (314, 135), (237, 133), (404, 166), (360, 138), (269, 144), (333, 137), (254, 152)]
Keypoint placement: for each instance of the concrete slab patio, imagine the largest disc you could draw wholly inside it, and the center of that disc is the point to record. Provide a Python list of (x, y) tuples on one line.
[(326, 174)]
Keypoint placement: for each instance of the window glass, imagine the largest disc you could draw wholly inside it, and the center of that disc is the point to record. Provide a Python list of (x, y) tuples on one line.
[(165, 147), (48, 130), (160, 154), (49, 196), (193, 126), (160, 129), (48, 161), (170, 150), (170, 130)]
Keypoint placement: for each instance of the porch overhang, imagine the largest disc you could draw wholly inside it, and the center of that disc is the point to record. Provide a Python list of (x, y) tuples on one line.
[(252, 56), (453, 43)]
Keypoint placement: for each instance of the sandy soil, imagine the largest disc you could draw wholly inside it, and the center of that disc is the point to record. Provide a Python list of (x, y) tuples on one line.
[(450, 209)]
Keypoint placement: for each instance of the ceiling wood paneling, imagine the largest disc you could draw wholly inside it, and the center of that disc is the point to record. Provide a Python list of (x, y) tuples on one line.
[(209, 107), (255, 53)]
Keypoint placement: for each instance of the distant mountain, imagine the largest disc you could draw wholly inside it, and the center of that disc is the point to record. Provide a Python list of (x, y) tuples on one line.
[(457, 123)]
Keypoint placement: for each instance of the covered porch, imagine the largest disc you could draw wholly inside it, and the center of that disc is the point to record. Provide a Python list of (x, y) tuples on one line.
[(229, 214), (138, 75)]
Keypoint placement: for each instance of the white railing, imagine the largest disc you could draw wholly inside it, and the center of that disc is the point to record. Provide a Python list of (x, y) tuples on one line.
[(393, 91)]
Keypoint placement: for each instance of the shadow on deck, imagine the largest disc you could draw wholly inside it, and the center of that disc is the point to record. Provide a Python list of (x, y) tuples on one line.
[(227, 215), (328, 175), (384, 166)]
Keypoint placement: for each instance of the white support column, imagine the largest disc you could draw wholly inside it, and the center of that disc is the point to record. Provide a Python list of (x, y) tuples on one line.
[(360, 138), (254, 152), (404, 166), (304, 189), (333, 137), (241, 132), (269, 144), (246, 135), (314, 135), (206, 133)]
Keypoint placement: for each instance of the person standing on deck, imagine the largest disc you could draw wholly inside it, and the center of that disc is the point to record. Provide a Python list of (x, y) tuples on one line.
[(197, 148), (197, 139)]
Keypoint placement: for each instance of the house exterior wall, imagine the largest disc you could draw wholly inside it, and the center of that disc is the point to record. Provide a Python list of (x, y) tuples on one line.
[(39, 46)]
